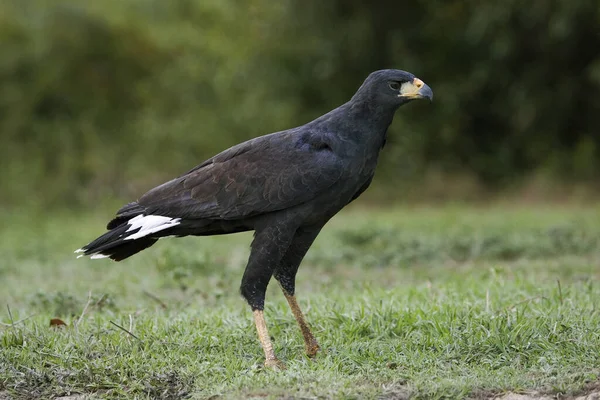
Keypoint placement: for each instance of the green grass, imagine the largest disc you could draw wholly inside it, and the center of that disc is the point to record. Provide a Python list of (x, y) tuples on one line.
[(423, 303)]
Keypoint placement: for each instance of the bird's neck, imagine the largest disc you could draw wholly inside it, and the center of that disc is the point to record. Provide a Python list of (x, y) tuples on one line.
[(365, 124)]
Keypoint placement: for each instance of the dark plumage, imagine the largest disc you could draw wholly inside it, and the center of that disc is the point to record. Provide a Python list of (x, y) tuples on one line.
[(285, 186)]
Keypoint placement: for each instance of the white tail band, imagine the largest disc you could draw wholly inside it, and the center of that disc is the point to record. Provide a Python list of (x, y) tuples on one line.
[(149, 224)]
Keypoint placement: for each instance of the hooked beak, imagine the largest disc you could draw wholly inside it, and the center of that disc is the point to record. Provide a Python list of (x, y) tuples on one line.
[(417, 89)]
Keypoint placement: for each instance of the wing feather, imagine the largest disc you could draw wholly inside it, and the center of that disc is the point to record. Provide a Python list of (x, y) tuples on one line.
[(266, 174)]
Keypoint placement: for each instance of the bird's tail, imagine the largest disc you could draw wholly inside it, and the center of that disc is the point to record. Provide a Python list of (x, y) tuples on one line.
[(128, 234)]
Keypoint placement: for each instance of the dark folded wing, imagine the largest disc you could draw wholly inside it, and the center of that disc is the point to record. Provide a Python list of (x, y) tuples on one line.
[(263, 175)]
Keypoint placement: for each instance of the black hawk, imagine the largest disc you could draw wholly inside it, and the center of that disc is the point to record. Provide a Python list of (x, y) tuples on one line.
[(283, 186)]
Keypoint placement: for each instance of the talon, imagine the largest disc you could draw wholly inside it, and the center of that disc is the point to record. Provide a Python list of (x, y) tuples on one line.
[(274, 364), (312, 349)]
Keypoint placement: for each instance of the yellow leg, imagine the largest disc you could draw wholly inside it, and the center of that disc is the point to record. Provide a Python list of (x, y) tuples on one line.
[(310, 343), (271, 360)]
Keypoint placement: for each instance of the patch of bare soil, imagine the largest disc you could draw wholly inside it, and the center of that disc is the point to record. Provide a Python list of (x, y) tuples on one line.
[(8, 396), (520, 396), (594, 395)]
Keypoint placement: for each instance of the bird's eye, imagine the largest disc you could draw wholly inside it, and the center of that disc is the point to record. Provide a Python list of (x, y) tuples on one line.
[(395, 85)]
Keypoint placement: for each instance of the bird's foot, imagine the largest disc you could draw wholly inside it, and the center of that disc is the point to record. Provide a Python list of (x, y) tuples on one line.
[(274, 364), (312, 348)]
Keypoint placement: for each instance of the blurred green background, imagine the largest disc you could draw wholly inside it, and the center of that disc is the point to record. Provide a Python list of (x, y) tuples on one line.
[(104, 99)]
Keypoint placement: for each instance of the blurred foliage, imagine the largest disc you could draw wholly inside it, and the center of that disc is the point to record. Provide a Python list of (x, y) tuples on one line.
[(112, 97), (377, 247)]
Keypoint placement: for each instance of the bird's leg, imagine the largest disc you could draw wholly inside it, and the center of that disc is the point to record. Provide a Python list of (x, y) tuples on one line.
[(310, 343), (265, 340), (267, 249), (286, 275)]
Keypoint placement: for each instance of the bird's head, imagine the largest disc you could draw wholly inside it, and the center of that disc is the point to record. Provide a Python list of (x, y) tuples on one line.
[(392, 87)]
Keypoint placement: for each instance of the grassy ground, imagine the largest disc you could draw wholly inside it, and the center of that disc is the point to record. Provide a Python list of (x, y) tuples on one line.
[(425, 303)]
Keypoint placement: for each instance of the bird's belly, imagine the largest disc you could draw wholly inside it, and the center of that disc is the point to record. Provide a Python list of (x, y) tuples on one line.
[(331, 202)]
